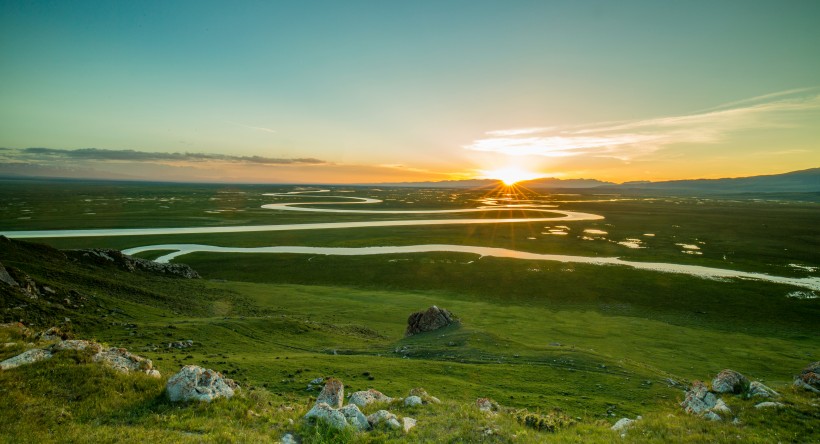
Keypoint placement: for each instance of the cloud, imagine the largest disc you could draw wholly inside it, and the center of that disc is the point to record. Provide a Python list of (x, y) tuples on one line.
[(258, 128), (97, 154), (629, 139)]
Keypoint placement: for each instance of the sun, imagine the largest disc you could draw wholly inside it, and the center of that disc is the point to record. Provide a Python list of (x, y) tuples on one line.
[(510, 175)]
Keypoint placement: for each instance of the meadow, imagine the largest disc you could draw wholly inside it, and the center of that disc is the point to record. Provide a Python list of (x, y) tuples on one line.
[(597, 342)]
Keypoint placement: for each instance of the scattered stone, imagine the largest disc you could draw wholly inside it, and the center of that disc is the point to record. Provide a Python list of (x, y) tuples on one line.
[(355, 417), (730, 381), (757, 388), (426, 397), (317, 381), (622, 424), (383, 416), (333, 393), (431, 319), (194, 383), (769, 404), (363, 398), (412, 401), (486, 405), (288, 438), (698, 399), (323, 412), (181, 344), (25, 358), (809, 378), (408, 423)]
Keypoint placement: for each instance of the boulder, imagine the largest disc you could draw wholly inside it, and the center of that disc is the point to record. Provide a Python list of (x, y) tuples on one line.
[(769, 405), (730, 381), (407, 424), (622, 424), (332, 394), (323, 412), (77, 345), (486, 405), (194, 383), (6, 278), (756, 388), (52, 334), (25, 358), (698, 399), (412, 401), (363, 398), (123, 361), (288, 438), (384, 417), (425, 397), (431, 319), (721, 408), (355, 417), (809, 378)]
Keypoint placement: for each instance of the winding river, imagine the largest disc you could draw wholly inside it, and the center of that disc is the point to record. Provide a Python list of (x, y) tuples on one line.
[(812, 283)]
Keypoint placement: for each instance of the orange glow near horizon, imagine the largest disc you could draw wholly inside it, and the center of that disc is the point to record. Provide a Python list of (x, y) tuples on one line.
[(511, 174)]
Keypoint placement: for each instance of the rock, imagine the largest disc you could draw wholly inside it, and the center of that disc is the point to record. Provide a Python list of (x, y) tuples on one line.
[(355, 417), (721, 407), (712, 416), (425, 397), (809, 378), (431, 319), (768, 405), (288, 438), (323, 412), (123, 361), (622, 424), (486, 405), (698, 399), (363, 398), (131, 264), (383, 416), (407, 424), (412, 401), (757, 388), (52, 334), (317, 381), (6, 278), (730, 381), (332, 394), (194, 383), (25, 358), (78, 345)]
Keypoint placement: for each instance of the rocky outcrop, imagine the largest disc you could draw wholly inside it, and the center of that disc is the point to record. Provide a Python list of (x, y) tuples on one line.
[(323, 412), (730, 381), (769, 405), (6, 278), (622, 424), (328, 408), (809, 378), (355, 417), (431, 319), (194, 383), (332, 394), (487, 405), (426, 398), (384, 417), (117, 358), (131, 264), (700, 401), (757, 389)]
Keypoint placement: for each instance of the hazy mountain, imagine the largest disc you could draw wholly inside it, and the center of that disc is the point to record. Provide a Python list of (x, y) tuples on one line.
[(795, 181)]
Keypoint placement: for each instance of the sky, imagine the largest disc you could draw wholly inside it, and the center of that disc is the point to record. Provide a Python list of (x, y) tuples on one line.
[(390, 91)]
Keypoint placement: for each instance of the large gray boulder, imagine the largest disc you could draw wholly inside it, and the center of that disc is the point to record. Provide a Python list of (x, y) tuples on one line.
[(698, 399), (809, 378), (25, 358), (355, 417), (323, 412), (730, 381), (194, 383), (384, 417), (431, 319), (757, 389), (366, 397)]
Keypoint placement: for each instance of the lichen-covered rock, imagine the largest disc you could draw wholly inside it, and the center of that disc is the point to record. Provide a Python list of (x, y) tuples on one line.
[(425, 397), (486, 405), (412, 401), (332, 394), (383, 416), (698, 399), (769, 405), (431, 319), (194, 383), (809, 378), (323, 412), (355, 417), (407, 424), (366, 397), (730, 381), (25, 358), (757, 389), (123, 361), (622, 424), (721, 408), (78, 345)]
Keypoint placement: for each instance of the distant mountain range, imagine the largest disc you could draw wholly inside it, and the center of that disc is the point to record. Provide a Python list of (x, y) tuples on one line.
[(793, 182)]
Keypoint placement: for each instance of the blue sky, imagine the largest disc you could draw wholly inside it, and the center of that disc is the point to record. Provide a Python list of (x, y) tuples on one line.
[(415, 90)]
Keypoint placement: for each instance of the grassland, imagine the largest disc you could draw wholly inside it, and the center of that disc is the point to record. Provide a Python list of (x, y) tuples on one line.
[(598, 343)]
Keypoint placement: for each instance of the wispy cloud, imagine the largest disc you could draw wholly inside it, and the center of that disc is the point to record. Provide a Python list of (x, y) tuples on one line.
[(258, 128), (629, 139), (97, 154)]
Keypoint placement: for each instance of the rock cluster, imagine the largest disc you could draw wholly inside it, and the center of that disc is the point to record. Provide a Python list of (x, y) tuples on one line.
[(809, 378), (699, 400), (730, 381), (131, 264), (194, 383), (119, 359), (329, 408), (431, 319)]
